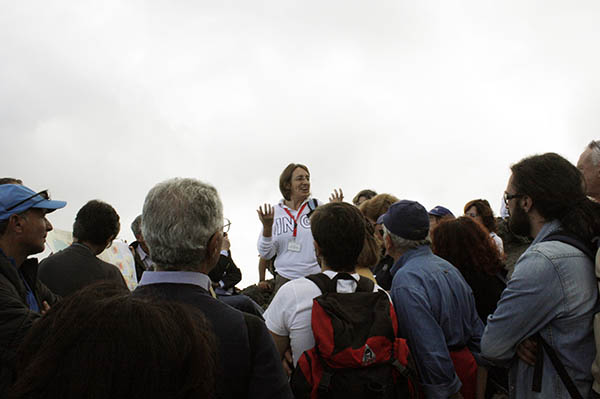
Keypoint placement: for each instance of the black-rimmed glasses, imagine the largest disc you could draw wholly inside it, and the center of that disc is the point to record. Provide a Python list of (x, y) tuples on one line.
[(508, 197), (44, 194)]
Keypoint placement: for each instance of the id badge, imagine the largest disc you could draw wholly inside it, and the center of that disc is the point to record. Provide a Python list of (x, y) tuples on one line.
[(294, 246)]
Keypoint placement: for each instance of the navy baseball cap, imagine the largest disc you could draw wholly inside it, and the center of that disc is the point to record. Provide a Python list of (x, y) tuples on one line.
[(440, 211), (406, 219), (16, 198)]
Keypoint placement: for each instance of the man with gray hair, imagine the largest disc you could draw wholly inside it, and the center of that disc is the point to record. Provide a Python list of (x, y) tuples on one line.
[(589, 165), (435, 306), (183, 228)]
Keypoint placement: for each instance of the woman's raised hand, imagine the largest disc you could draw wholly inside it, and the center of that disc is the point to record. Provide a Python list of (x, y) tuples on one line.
[(337, 196), (266, 214)]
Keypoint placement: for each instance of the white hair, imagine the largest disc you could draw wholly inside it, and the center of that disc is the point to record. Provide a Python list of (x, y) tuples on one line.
[(594, 147), (402, 243), (180, 217)]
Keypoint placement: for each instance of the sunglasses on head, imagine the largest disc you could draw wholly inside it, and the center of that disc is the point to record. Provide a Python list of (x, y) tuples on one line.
[(44, 194)]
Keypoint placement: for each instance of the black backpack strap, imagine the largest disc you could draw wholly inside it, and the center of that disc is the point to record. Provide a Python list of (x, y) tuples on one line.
[(563, 237), (322, 281), (327, 284), (542, 346), (312, 205)]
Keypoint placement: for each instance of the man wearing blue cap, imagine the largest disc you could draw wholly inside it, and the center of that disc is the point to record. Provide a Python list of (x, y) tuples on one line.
[(435, 306), (437, 215), (23, 229)]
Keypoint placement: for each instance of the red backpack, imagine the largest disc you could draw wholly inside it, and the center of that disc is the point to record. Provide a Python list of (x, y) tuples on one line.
[(357, 353)]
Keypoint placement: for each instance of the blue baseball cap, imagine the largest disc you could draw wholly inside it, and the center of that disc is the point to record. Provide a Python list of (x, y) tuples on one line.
[(406, 219), (16, 198), (440, 211)]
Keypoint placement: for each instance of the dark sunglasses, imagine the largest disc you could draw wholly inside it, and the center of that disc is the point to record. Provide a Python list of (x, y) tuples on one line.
[(44, 194)]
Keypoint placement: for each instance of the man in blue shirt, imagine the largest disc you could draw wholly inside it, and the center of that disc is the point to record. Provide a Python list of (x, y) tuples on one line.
[(553, 289), (23, 229), (183, 228), (435, 306)]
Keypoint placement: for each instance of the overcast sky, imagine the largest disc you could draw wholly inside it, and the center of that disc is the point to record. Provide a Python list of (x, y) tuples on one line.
[(427, 100)]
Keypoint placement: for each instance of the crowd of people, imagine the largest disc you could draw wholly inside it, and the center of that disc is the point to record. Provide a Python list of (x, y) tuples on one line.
[(473, 326)]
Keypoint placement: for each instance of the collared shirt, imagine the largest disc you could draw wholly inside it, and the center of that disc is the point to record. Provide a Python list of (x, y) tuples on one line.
[(436, 310), (552, 291), (175, 277), (146, 259)]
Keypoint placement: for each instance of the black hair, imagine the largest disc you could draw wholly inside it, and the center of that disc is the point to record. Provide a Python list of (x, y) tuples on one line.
[(556, 188), (102, 342), (339, 230), (96, 222)]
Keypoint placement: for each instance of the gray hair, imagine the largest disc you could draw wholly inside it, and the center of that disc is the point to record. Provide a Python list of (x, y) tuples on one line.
[(180, 217), (404, 244), (136, 226), (594, 147)]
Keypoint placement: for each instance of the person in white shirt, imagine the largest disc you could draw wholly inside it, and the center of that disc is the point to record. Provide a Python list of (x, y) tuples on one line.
[(286, 226), (339, 232)]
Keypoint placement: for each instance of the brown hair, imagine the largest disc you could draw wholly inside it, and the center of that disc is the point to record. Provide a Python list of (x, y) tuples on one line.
[(464, 243), (377, 206), (370, 254), (368, 194), (485, 211), (285, 179)]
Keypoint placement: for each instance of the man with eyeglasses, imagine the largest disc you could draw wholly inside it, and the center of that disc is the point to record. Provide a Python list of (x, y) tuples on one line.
[(183, 228), (589, 165), (23, 298), (225, 275), (551, 298)]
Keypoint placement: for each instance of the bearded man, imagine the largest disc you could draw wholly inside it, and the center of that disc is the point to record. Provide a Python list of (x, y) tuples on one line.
[(552, 295)]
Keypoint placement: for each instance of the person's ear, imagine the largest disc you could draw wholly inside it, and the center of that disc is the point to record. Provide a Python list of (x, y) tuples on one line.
[(214, 245), (15, 222), (526, 203)]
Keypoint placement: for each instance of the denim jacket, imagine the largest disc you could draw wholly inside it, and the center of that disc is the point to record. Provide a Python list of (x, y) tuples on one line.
[(552, 291)]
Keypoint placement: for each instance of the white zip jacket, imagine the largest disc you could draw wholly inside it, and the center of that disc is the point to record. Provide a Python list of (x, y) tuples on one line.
[(290, 264)]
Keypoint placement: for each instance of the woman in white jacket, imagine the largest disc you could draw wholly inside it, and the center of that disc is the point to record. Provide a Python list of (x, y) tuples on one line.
[(286, 226)]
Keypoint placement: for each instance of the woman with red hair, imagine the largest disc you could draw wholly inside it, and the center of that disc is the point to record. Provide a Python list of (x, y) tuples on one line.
[(467, 245)]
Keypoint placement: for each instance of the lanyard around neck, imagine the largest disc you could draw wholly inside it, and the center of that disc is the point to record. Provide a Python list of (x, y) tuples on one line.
[(295, 219)]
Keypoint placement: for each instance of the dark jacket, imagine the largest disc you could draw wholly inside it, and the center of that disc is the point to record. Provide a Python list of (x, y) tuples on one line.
[(226, 271), (140, 266), (74, 268), (15, 317), (249, 360)]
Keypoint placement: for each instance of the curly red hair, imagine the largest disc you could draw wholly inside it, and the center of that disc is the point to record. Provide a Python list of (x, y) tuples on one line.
[(467, 245)]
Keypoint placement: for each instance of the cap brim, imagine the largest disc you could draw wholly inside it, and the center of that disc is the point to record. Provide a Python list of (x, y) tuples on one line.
[(380, 219), (50, 205)]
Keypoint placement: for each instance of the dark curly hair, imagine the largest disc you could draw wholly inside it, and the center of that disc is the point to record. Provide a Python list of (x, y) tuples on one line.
[(464, 243), (96, 222), (485, 211), (89, 345), (556, 188)]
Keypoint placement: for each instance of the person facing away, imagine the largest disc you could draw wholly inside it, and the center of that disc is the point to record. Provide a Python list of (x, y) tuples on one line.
[(183, 227), (552, 294), (339, 233), (23, 229), (434, 304), (96, 226), (89, 346)]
